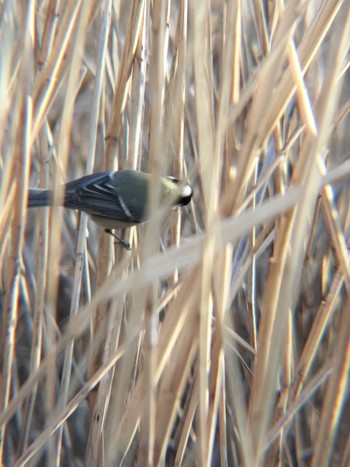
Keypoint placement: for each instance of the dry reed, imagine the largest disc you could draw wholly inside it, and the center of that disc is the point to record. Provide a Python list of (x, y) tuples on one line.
[(224, 338)]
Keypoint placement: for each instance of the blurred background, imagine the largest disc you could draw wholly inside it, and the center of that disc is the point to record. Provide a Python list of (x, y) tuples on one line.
[(222, 337)]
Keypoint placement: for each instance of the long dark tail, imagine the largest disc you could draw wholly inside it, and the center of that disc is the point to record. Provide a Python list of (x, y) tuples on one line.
[(39, 198)]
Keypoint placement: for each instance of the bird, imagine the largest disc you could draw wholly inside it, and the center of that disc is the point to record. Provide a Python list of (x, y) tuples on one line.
[(115, 199)]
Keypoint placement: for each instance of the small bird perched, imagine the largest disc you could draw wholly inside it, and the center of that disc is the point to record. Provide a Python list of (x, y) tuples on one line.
[(115, 199)]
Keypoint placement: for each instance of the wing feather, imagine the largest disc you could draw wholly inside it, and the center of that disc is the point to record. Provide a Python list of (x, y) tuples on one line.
[(99, 195)]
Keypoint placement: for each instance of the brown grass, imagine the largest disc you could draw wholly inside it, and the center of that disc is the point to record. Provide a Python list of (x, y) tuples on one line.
[(228, 341)]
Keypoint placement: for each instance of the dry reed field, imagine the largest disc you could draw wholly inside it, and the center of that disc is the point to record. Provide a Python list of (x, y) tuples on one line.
[(223, 336)]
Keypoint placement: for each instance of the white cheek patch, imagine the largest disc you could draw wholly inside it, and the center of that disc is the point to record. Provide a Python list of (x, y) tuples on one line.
[(187, 191)]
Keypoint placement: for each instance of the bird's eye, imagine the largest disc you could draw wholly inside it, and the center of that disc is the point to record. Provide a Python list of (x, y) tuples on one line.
[(174, 180)]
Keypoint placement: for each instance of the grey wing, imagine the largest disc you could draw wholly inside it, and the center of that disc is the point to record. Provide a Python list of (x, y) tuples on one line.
[(98, 194)]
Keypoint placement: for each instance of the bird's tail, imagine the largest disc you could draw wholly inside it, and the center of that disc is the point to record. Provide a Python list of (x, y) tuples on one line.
[(39, 198)]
